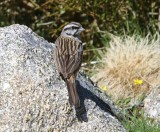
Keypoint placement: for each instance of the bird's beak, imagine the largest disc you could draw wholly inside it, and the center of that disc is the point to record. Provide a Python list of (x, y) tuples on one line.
[(82, 29)]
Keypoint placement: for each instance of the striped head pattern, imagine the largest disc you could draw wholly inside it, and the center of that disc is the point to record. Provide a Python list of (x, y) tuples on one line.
[(72, 29)]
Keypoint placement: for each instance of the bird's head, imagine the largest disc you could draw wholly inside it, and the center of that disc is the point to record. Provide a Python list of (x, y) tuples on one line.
[(72, 29)]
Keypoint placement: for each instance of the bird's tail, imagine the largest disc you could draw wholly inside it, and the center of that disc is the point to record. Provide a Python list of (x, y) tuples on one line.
[(72, 91)]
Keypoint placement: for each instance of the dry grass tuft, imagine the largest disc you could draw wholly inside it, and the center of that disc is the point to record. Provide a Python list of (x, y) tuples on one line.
[(127, 59)]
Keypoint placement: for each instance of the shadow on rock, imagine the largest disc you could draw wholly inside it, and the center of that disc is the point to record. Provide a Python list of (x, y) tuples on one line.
[(84, 93)]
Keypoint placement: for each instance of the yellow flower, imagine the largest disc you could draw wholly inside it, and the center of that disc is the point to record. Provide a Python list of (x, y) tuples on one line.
[(104, 88), (138, 81)]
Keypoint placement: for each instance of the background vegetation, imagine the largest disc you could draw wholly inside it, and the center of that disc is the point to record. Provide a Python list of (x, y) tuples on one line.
[(131, 66)]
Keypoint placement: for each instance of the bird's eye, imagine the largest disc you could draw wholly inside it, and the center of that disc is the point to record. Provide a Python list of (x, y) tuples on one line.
[(74, 27)]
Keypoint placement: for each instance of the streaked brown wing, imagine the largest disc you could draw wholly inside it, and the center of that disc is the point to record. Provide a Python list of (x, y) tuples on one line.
[(68, 55)]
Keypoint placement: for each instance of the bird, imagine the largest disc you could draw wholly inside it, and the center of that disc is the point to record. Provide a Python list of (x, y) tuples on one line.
[(68, 58)]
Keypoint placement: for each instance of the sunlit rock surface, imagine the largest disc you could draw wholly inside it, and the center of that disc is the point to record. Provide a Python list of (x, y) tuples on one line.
[(34, 98)]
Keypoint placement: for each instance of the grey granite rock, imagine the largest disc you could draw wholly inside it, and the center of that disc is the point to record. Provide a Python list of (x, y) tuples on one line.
[(152, 104), (34, 98)]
